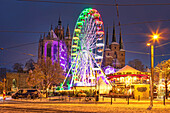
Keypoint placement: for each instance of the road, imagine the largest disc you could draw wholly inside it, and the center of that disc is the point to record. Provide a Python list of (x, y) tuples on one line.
[(33, 106)]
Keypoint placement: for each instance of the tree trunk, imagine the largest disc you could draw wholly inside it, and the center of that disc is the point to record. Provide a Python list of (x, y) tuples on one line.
[(46, 91), (166, 88)]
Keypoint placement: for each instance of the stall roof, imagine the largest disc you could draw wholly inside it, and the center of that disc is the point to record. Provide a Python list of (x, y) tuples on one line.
[(127, 69)]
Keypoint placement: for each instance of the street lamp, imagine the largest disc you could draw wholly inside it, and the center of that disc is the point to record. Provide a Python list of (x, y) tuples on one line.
[(154, 37)]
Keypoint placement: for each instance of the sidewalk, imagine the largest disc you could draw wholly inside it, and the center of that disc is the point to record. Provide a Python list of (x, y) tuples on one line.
[(75, 100)]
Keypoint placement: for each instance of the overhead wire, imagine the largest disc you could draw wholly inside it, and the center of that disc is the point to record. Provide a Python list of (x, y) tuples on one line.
[(21, 52), (156, 4), (144, 22), (137, 52), (25, 44), (9, 62), (163, 55), (22, 31), (162, 45)]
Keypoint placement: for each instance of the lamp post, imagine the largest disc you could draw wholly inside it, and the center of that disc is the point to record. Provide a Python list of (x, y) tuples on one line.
[(154, 37), (151, 77)]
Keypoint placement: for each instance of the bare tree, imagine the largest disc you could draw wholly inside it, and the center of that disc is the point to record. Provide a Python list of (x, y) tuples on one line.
[(18, 67), (163, 68), (1, 86), (137, 64), (46, 73), (29, 65)]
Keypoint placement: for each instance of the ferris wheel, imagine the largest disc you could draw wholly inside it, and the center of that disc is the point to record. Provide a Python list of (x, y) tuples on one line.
[(87, 48)]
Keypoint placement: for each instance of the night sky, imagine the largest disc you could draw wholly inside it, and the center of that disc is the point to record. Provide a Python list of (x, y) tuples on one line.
[(38, 17)]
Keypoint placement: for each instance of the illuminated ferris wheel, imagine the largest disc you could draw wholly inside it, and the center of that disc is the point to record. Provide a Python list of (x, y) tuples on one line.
[(87, 48)]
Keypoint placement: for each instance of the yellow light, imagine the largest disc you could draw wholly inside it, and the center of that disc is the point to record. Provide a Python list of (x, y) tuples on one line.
[(155, 36), (148, 44)]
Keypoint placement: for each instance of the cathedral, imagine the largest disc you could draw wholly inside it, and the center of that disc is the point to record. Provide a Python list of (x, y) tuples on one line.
[(56, 45), (114, 54)]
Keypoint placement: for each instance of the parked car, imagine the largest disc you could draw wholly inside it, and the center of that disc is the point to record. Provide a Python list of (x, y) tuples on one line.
[(26, 93), (9, 93)]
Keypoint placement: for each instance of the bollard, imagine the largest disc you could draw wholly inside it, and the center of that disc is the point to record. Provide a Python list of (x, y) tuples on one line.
[(128, 100), (164, 99), (111, 100), (103, 98), (114, 99), (4, 95), (138, 97)]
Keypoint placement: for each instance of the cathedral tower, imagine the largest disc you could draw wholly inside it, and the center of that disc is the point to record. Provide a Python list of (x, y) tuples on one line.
[(114, 53)]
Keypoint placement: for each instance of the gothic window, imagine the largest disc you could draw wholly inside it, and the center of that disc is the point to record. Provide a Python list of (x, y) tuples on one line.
[(55, 51), (108, 54), (122, 54), (115, 47), (49, 50), (42, 50), (115, 54)]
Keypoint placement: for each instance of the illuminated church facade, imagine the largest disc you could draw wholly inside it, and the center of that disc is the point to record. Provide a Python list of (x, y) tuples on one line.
[(56, 45)]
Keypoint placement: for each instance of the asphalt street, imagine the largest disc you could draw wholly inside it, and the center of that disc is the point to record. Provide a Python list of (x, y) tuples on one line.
[(76, 106)]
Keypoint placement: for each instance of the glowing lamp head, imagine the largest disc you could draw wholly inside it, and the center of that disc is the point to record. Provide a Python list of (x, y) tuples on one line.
[(148, 44), (155, 36)]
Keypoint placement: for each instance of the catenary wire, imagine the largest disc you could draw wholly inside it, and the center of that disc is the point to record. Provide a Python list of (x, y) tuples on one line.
[(162, 4)]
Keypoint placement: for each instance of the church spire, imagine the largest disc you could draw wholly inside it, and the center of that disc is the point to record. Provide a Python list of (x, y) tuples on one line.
[(51, 27), (68, 32), (120, 41), (107, 39), (113, 35), (44, 35), (63, 33), (59, 21), (40, 38)]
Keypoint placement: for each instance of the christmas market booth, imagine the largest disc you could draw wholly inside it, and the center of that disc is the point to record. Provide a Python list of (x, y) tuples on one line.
[(129, 81)]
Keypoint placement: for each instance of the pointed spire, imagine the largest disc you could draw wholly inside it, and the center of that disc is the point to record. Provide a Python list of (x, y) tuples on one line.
[(59, 21), (113, 35), (68, 32), (51, 27), (63, 33), (44, 36), (40, 37), (107, 38), (120, 41)]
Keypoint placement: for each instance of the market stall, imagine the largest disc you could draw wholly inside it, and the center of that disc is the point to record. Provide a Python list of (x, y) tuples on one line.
[(129, 81)]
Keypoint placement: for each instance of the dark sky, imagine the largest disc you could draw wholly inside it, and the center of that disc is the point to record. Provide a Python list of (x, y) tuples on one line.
[(37, 17)]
